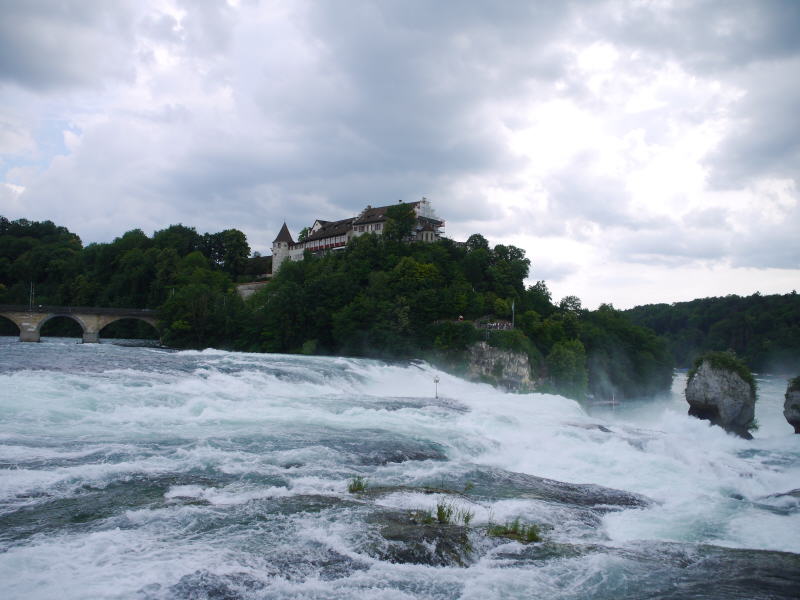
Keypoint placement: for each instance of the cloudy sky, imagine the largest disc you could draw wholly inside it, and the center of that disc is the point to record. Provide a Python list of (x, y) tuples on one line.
[(639, 151)]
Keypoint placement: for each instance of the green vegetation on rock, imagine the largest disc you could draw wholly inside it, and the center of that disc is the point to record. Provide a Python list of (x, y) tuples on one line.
[(726, 361), (357, 484), (516, 530), (444, 513)]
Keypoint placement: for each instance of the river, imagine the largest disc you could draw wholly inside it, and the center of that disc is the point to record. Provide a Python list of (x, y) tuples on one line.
[(145, 473)]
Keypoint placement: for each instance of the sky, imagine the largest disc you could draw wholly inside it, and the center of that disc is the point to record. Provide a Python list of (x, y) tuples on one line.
[(639, 151)]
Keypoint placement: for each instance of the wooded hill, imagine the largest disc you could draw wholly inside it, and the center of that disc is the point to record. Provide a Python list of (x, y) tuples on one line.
[(762, 330), (379, 297)]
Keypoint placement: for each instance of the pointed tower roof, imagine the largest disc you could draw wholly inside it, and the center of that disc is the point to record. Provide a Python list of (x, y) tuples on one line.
[(284, 235)]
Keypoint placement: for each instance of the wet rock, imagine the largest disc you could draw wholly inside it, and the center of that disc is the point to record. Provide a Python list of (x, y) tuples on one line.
[(536, 554), (591, 427), (407, 540), (400, 454), (719, 394), (308, 562), (789, 494), (379, 447), (391, 489), (791, 407), (203, 585), (675, 571), (498, 483)]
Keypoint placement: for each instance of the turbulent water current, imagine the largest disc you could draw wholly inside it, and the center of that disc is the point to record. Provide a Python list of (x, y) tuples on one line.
[(144, 473)]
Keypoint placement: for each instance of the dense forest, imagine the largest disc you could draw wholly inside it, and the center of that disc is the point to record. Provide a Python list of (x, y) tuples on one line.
[(379, 297), (762, 330)]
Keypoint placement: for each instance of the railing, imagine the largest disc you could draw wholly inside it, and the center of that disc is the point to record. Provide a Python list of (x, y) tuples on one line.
[(66, 310)]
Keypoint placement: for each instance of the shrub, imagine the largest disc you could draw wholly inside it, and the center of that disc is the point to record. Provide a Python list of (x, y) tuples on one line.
[(515, 530), (445, 513), (357, 484)]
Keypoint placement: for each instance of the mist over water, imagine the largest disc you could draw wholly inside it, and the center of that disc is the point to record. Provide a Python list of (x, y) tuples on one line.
[(144, 473)]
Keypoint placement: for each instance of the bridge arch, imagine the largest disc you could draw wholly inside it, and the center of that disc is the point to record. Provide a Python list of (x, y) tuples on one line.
[(9, 325), (153, 324), (56, 315)]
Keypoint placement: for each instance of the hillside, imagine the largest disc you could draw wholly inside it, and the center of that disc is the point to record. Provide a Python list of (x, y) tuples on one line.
[(378, 297), (762, 330)]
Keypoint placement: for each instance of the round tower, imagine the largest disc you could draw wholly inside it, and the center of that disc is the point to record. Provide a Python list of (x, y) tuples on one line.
[(280, 247)]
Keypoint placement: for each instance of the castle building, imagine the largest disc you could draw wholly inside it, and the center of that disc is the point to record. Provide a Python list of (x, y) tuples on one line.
[(327, 236)]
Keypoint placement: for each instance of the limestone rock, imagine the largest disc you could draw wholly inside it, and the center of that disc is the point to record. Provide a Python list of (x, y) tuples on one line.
[(721, 396), (791, 407), (509, 369)]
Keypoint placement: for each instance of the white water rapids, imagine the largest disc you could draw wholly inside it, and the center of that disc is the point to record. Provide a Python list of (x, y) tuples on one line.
[(143, 473)]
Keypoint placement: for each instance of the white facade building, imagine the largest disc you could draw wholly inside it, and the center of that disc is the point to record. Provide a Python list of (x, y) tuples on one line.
[(325, 236)]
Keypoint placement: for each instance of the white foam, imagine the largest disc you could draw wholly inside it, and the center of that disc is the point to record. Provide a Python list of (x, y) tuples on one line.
[(213, 413)]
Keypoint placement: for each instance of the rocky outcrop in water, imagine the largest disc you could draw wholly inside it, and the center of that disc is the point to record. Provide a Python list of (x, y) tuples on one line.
[(407, 540), (791, 407), (719, 391), (506, 368)]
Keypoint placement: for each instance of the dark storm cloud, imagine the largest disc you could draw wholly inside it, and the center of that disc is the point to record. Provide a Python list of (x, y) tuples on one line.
[(415, 78), (766, 138), (706, 35), (50, 45)]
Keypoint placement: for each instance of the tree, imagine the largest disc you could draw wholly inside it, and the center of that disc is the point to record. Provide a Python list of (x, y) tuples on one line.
[(566, 368), (227, 250), (570, 304), (476, 241), (180, 238), (400, 221)]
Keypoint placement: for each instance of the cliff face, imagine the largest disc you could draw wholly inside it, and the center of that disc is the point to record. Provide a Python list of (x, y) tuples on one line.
[(505, 368), (791, 407), (722, 397)]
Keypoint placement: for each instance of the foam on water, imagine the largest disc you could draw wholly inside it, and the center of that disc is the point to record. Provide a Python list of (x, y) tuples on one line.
[(137, 472)]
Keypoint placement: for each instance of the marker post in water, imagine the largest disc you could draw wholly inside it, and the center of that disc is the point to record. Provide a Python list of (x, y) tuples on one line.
[(436, 386)]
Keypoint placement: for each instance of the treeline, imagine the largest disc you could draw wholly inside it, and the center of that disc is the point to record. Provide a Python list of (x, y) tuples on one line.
[(49, 264), (762, 330), (379, 297)]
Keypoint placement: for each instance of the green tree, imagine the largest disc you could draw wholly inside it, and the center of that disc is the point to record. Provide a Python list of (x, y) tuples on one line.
[(400, 222), (566, 368)]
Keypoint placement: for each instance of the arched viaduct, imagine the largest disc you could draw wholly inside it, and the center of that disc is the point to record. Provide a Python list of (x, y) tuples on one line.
[(92, 320)]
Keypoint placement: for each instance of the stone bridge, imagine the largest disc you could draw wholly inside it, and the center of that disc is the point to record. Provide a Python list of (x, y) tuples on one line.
[(91, 319)]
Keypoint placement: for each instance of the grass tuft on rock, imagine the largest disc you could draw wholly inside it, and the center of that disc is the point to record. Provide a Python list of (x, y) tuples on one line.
[(794, 385), (516, 530), (445, 513), (357, 484)]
